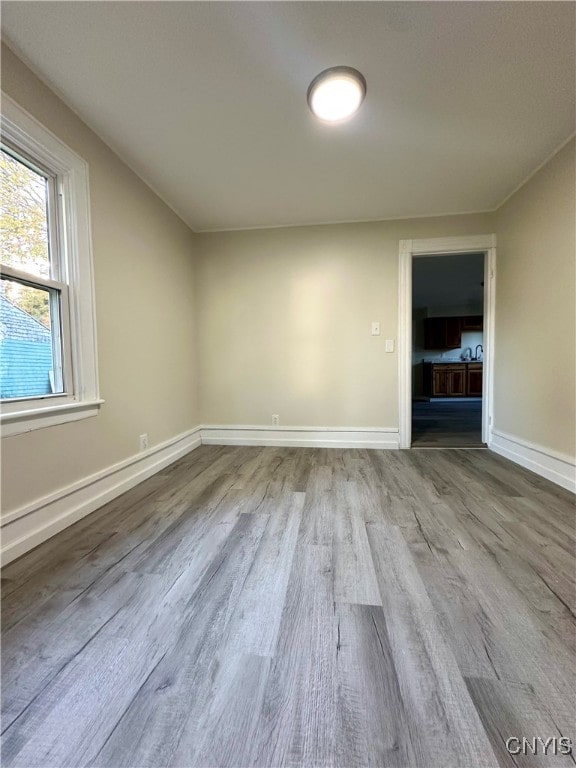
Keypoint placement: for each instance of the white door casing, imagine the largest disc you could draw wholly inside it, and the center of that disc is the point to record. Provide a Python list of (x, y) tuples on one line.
[(441, 246)]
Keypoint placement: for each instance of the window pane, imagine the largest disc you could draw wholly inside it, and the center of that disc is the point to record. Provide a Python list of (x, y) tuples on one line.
[(28, 363), (24, 240)]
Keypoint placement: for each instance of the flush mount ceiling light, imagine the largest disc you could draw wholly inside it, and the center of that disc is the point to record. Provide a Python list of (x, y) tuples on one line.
[(336, 93)]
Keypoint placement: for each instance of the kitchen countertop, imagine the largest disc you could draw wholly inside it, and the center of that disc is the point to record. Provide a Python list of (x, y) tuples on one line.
[(452, 362)]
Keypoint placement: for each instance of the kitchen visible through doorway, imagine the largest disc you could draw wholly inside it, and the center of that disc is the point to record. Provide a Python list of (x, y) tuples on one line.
[(447, 350)]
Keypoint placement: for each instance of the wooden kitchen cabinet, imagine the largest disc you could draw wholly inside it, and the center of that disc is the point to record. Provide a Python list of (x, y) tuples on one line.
[(457, 381), (453, 332), (473, 323), (446, 332), (434, 333), (442, 333), (453, 379), (474, 380), (440, 384)]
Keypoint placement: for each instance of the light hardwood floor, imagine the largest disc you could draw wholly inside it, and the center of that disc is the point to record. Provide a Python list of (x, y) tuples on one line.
[(298, 607)]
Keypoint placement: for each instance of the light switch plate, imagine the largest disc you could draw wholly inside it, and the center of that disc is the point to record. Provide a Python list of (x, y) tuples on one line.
[(389, 345), (375, 328)]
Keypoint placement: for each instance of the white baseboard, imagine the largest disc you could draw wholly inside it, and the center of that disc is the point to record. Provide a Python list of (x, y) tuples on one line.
[(28, 526), (557, 467), (301, 437)]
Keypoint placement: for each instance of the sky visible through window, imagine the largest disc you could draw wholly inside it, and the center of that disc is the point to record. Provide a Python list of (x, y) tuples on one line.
[(24, 241), (26, 347)]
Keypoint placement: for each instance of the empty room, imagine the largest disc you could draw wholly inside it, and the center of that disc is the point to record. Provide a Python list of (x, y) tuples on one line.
[(288, 384)]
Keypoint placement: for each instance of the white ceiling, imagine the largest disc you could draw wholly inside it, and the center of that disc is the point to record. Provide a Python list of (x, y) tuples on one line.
[(206, 101), (456, 280)]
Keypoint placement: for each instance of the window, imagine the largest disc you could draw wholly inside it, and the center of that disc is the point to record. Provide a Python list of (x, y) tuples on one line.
[(34, 343), (48, 371)]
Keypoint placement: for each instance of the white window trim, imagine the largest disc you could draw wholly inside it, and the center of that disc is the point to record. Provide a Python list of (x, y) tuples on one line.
[(24, 132)]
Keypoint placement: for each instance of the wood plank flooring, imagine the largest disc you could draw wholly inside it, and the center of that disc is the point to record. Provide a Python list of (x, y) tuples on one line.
[(298, 607), (447, 424)]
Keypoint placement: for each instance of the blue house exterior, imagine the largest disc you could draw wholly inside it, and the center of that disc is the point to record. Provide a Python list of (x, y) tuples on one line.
[(25, 353)]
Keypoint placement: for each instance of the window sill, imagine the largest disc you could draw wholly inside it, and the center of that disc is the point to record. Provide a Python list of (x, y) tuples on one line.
[(47, 416)]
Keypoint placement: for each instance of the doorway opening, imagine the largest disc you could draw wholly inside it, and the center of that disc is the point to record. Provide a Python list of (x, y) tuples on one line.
[(447, 350), (445, 341)]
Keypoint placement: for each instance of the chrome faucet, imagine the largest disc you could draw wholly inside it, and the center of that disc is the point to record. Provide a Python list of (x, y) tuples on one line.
[(476, 357)]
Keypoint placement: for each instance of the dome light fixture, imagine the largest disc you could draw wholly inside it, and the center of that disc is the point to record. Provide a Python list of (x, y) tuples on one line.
[(336, 93)]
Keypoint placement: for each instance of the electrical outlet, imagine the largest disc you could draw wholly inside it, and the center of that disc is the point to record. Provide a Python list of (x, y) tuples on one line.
[(144, 442), (275, 420)]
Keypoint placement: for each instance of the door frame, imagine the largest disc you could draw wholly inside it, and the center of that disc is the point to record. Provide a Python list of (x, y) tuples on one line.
[(441, 246)]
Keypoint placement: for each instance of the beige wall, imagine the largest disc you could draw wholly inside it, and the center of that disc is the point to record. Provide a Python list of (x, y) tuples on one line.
[(284, 321), (144, 272), (284, 317), (535, 346)]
